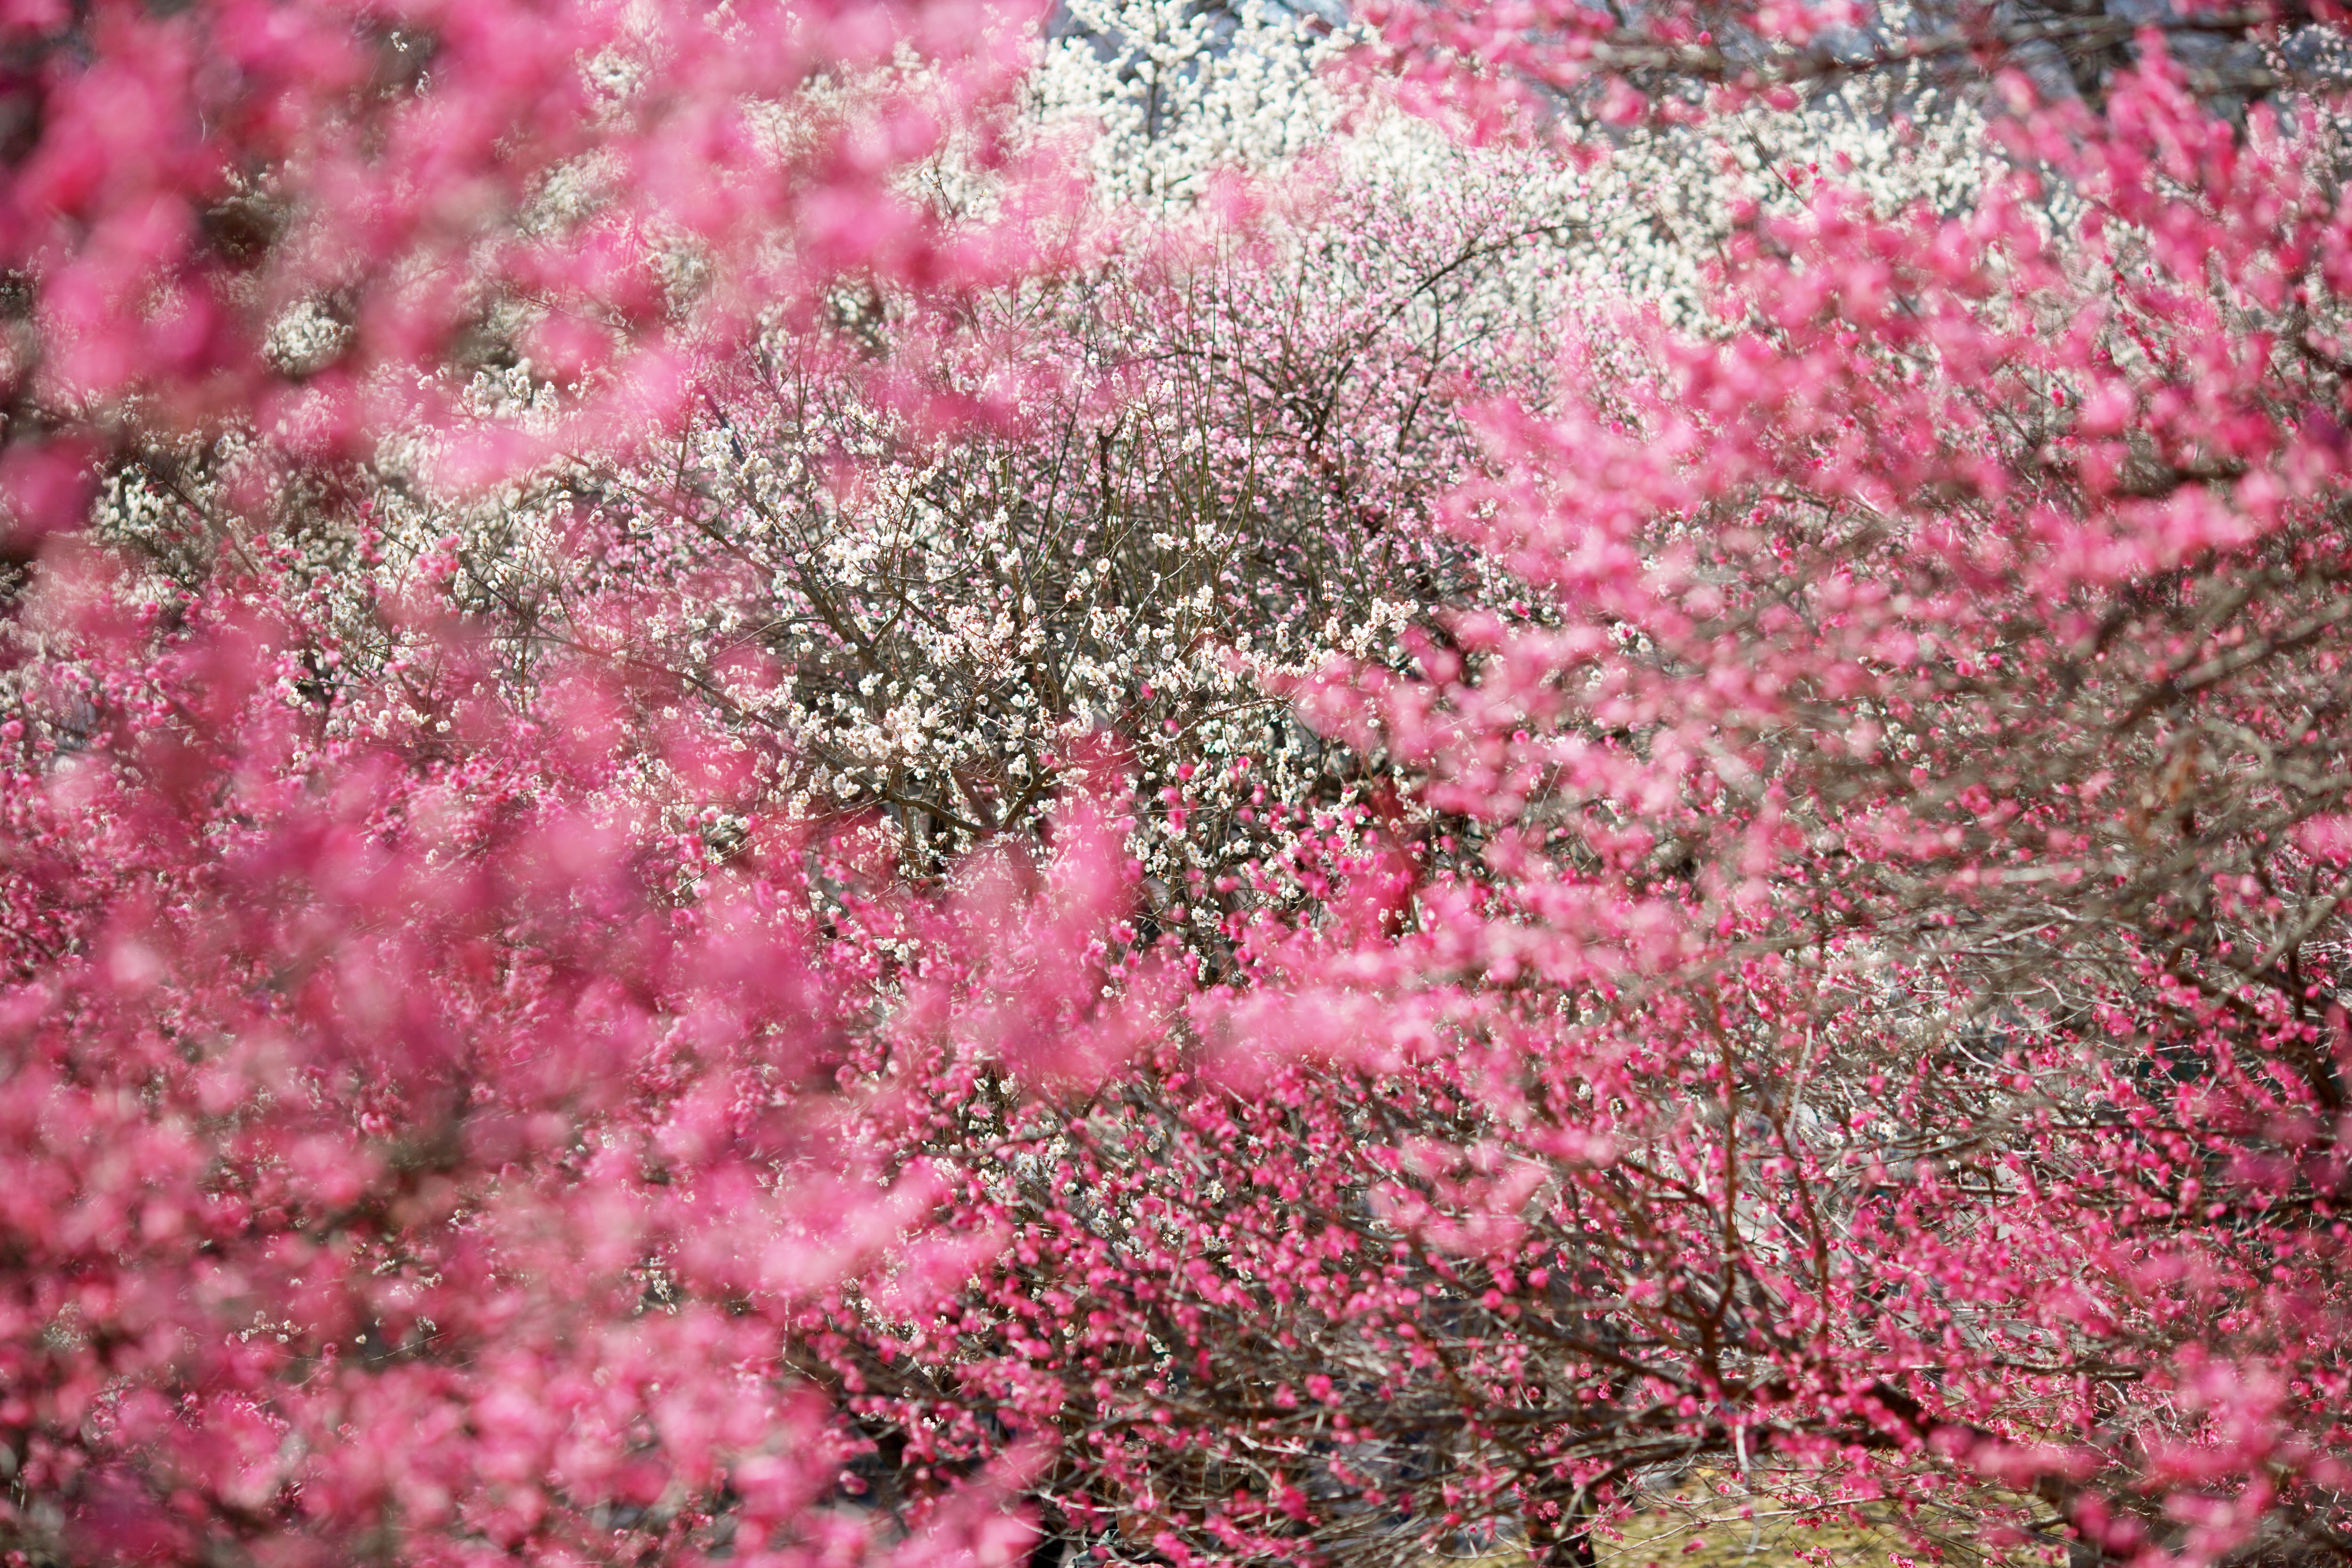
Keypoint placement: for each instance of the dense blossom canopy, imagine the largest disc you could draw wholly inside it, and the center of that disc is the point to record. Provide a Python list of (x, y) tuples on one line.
[(832, 785)]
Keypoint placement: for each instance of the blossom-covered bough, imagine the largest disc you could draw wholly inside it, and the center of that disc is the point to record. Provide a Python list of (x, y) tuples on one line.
[(754, 810)]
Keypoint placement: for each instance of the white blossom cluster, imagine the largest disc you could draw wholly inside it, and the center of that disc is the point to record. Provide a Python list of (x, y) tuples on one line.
[(1176, 92), (957, 633)]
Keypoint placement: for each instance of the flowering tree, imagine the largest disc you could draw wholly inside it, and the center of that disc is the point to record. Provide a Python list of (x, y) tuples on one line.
[(1791, 922), (1865, 1013), (1240, 489)]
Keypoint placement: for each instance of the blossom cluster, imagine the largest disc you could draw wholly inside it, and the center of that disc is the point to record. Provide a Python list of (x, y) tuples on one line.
[(839, 785)]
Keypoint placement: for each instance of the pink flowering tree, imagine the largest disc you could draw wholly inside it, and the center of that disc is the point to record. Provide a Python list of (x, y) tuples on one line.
[(1864, 1010), (1810, 945)]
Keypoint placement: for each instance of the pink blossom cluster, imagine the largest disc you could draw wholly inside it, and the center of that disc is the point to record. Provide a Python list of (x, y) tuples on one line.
[(419, 1129), (298, 218), (724, 966)]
